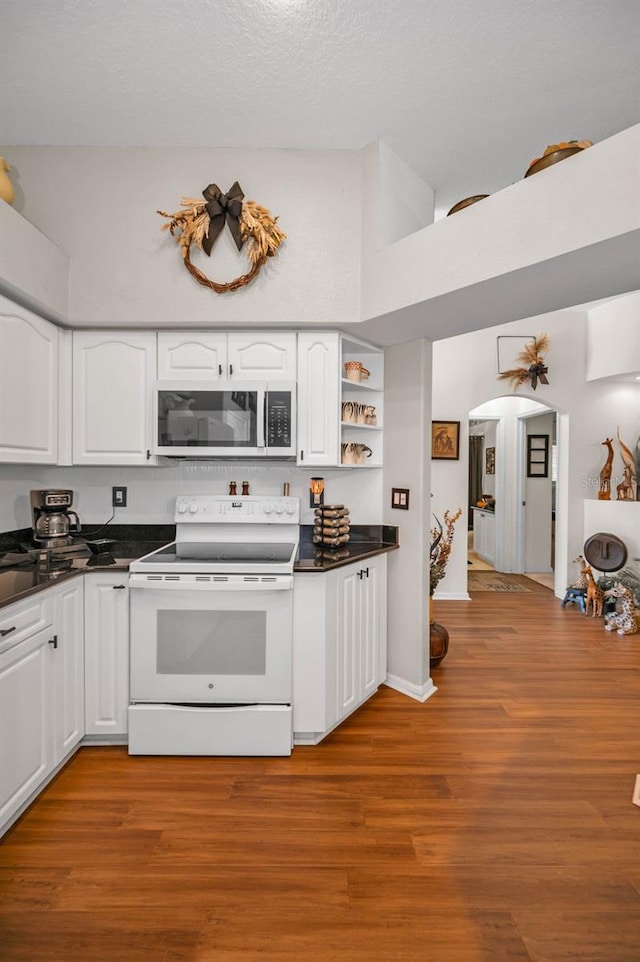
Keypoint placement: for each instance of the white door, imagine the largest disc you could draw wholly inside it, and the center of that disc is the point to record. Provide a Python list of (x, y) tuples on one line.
[(192, 357), (113, 375), (69, 666), (26, 732), (28, 387), (318, 399), (106, 667), (262, 356)]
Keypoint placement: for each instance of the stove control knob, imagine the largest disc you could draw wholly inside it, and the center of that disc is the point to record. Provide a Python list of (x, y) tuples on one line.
[(193, 508), (182, 507), (267, 507), (290, 508), (279, 508)]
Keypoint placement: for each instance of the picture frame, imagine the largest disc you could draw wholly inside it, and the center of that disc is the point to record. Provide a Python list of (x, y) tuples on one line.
[(537, 455), (490, 461), (509, 347), (445, 440)]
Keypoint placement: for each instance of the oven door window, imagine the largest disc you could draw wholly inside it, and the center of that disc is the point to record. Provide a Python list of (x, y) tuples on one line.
[(212, 643), (207, 419)]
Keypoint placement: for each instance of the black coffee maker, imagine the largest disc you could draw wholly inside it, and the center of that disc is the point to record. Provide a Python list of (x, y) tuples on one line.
[(54, 524)]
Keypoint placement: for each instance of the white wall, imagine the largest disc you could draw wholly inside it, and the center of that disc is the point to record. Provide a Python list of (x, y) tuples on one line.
[(407, 465), (406, 201), (465, 374), (99, 205), (152, 490), (614, 338)]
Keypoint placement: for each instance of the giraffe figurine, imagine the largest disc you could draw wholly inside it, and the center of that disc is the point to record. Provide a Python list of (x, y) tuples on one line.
[(623, 621), (604, 494), (595, 595), (624, 490)]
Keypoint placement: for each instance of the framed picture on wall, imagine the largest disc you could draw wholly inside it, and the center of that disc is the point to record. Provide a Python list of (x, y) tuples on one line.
[(445, 440), (537, 455), (490, 461)]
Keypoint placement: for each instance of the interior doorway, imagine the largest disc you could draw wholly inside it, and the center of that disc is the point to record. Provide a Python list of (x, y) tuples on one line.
[(515, 523)]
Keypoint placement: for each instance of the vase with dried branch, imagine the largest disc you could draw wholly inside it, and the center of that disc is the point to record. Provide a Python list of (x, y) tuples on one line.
[(535, 370), (439, 553)]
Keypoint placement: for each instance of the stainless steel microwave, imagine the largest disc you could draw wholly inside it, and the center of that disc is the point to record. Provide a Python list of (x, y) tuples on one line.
[(224, 419)]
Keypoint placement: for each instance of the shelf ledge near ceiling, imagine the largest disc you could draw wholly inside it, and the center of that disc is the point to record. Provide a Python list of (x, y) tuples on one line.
[(34, 272)]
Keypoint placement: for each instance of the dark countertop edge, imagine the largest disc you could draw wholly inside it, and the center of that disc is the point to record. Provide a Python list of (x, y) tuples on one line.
[(122, 564), (365, 551)]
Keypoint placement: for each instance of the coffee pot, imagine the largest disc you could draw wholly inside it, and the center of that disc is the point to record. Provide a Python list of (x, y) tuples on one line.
[(52, 518)]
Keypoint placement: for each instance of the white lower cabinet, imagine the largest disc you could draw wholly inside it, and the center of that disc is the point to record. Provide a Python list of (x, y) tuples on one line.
[(41, 692), (106, 668), (339, 646), (484, 534)]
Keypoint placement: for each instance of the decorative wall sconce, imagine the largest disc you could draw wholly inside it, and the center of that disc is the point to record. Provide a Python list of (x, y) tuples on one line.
[(316, 492)]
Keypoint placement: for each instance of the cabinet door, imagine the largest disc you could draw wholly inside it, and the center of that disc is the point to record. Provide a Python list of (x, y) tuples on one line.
[(318, 399), (349, 627), (106, 666), (192, 357), (26, 732), (69, 666), (113, 374), (370, 627), (262, 356), (28, 387)]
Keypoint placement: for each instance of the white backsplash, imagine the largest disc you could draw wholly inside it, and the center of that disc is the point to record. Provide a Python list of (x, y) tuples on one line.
[(151, 491)]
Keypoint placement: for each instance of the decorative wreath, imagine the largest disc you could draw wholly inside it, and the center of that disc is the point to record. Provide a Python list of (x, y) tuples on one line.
[(536, 370), (202, 221)]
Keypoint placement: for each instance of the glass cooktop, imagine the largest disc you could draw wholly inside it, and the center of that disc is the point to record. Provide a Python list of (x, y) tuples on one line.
[(223, 553)]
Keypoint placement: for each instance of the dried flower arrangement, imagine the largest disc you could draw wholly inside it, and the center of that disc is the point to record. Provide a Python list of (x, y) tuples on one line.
[(535, 370), (441, 544), (201, 221)]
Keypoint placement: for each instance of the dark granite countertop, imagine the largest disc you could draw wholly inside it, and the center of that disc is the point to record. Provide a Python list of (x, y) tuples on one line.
[(20, 581)]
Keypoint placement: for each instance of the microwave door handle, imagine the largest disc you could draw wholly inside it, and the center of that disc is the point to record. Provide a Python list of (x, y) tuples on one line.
[(261, 418)]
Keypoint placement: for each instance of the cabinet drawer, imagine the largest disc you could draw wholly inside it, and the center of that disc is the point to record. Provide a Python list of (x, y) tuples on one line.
[(24, 619)]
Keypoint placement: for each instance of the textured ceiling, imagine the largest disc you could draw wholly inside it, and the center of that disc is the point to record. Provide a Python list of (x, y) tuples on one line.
[(467, 91)]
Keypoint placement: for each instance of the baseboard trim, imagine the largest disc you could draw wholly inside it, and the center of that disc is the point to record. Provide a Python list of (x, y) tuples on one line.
[(417, 692), (452, 596)]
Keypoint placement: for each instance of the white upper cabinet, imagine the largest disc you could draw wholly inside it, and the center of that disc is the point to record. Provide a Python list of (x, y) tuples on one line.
[(196, 357), (113, 375), (263, 356), (318, 399), (28, 387), (256, 356)]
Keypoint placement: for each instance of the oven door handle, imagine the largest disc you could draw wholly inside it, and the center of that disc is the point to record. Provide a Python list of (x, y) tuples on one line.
[(233, 583)]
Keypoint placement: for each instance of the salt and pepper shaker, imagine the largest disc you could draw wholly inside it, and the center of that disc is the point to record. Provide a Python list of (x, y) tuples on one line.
[(233, 487), (245, 487)]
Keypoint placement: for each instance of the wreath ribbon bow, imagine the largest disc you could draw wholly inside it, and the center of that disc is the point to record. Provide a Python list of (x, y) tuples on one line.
[(538, 372), (223, 209)]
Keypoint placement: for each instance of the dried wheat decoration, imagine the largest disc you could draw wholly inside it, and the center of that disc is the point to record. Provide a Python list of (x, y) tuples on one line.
[(200, 222), (536, 370)]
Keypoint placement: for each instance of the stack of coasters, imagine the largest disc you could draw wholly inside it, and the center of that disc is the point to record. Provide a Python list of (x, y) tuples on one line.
[(331, 525)]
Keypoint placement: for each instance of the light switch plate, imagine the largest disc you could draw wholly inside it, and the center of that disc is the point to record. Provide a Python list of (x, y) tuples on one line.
[(400, 498)]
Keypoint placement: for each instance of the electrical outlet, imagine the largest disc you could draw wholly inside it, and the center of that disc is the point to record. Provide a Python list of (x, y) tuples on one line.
[(118, 497)]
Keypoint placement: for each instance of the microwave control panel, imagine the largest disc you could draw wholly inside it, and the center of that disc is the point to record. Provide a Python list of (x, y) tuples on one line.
[(279, 419)]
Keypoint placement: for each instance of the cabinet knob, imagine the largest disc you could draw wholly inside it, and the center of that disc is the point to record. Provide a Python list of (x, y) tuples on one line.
[(220, 369), (360, 574), (7, 631), (54, 641), (230, 369), (366, 571), (119, 587)]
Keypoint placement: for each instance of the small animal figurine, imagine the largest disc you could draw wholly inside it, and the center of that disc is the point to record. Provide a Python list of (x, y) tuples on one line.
[(581, 580), (604, 494), (7, 192), (625, 490), (630, 478), (623, 621), (595, 595)]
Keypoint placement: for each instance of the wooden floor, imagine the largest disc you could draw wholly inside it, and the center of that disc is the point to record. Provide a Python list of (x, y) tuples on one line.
[(491, 824)]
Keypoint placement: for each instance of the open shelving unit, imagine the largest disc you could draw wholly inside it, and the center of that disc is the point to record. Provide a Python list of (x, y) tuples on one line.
[(369, 392)]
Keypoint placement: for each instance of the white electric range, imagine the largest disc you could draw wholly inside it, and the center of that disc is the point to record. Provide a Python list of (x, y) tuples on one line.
[(211, 630)]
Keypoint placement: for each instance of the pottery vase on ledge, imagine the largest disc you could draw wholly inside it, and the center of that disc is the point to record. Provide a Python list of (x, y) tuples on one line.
[(7, 193)]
